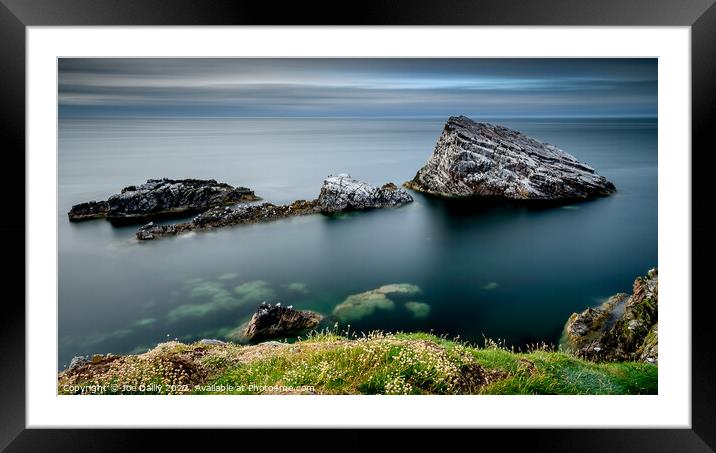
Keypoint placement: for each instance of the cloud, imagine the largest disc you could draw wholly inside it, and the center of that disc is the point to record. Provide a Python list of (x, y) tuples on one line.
[(355, 87)]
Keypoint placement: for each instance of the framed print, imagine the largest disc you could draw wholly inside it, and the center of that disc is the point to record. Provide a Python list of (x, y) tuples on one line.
[(425, 218)]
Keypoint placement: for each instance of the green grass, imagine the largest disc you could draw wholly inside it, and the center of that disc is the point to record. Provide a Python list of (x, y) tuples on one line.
[(557, 373), (402, 363), (374, 367)]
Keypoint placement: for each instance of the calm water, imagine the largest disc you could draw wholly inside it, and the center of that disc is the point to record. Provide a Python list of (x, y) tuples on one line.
[(505, 272)]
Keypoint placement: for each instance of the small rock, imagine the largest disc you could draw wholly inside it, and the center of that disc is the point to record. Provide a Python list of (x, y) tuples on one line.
[(271, 321), (211, 341), (341, 192), (77, 361)]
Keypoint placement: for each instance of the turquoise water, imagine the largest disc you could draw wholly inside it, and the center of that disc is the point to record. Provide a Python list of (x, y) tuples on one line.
[(503, 271)]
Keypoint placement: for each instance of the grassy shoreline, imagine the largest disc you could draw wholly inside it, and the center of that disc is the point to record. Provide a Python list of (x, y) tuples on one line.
[(379, 363)]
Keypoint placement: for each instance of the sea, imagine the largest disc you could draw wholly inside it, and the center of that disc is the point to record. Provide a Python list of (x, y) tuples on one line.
[(464, 269)]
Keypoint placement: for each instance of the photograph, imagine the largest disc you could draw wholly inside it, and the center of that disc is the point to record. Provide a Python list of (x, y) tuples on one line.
[(432, 219), (357, 226)]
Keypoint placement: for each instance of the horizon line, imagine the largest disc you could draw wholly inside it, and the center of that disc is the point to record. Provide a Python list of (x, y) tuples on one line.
[(616, 116)]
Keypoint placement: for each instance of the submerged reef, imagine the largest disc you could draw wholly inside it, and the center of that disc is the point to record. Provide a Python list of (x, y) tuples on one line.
[(358, 306)]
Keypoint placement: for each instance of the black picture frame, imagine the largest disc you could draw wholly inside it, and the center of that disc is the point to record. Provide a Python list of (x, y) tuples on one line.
[(16, 15)]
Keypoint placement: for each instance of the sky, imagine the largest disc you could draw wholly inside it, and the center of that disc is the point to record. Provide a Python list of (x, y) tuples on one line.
[(331, 87)]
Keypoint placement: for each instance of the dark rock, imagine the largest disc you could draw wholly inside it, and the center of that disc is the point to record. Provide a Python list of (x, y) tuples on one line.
[(624, 328), (88, 210), (163, 198), (158, 197), (340, 193), (152, 230), (480, 159), (223, 217), (272, 321)]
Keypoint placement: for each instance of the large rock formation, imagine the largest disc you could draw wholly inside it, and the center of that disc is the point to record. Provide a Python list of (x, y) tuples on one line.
[(273, 321), (479, 159), (341, 193), (624, 328), (338, 193), (160, 198)]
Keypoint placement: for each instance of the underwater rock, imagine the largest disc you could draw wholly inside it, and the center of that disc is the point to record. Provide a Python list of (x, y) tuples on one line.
[(297, 287), (272, 321), (161, 198), (624, 328), (357, 306), (213, 297), (254, 292), (485, 160), (418, 309), (341, 192)]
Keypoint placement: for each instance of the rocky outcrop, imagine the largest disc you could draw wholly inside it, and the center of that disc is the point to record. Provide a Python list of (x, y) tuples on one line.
[(624, 328), (274, 321), (338, 193), (162, 198), (649, 349), (485, 160), (341, 192), (89, 210), (223, 217)]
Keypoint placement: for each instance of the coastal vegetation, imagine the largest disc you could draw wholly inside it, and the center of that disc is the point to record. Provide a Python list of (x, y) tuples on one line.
[(378, 363)]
